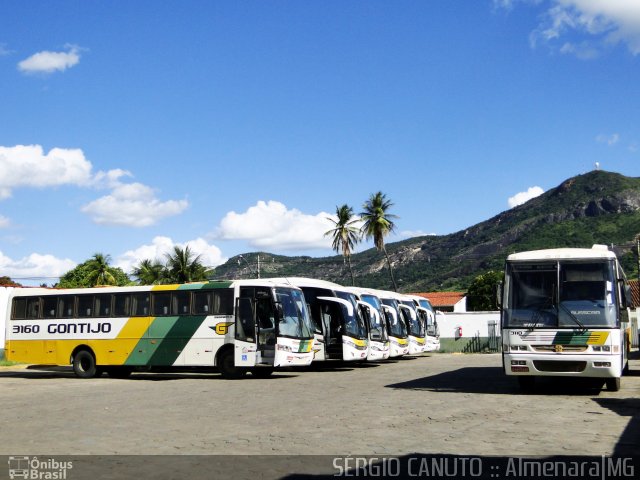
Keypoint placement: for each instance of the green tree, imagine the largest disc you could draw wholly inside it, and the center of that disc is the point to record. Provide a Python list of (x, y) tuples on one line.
[(345, 235), (378, 223), (7, 282), (482, 293), (99, 270), (183, 267), (150, 272), (87, 273)]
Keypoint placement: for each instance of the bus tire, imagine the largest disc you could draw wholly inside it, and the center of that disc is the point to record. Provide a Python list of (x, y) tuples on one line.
[(84, 364), (613, 384), (227, 366), (119, 372), (261, 372)]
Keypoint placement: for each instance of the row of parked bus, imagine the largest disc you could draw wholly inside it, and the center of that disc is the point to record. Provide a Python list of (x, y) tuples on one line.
[(236, 326)]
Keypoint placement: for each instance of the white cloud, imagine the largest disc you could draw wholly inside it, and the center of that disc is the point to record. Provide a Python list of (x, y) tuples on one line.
[(608, 139), (211, 255), (602, 22), (523, 197), (271, 225), (49, 62), (132, 205), (35, 266), (29, 166), (4, 222), (414, 233)]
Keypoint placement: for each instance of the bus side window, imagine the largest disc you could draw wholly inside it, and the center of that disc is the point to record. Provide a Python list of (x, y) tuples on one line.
[(140, 305), (223, 302), (161, 303), (49, 306), (201, 303), (85, 306), (33, 308), (19, 311), (180, 303), (102, 305), (66, 304), (122, 305)]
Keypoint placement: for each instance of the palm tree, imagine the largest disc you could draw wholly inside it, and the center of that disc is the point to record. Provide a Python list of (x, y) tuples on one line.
[(182, 267), (99, 272), (345, 234), (150, 272), (378, 223)]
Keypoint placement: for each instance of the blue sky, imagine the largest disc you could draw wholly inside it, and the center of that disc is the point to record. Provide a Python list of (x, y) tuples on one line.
[(237, 126)]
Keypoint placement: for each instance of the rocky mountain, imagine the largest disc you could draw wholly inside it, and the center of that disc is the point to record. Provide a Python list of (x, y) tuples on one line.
[(597, 207)]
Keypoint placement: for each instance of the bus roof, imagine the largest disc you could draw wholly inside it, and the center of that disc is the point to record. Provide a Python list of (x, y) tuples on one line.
[(594, 253)]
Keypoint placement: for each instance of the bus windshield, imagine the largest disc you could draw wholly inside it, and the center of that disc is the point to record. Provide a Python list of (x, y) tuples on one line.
[(561, 294), (397, 326), (377, 321), (354, 323), (294, 321), (414, 322)]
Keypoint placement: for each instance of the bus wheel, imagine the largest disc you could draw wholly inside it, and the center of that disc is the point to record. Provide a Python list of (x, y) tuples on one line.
[(264, 372), (84, 364), (613, 384), (228, 368), (526, 383), (119, 372)]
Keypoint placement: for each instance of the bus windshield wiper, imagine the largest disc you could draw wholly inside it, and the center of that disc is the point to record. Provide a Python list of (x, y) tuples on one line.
[(572, 316)]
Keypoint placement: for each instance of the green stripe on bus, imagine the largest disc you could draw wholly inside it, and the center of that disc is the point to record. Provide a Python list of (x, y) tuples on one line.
[(150, 341), (571, 338), (175, 339)]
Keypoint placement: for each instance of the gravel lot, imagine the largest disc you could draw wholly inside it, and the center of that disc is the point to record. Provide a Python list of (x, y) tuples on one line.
[(441, 403)]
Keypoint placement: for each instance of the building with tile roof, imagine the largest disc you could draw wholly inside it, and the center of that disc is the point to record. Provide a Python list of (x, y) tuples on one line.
[(446, 301)]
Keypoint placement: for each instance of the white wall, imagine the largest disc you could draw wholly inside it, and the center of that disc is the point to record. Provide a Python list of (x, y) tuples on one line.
[(472, 323)]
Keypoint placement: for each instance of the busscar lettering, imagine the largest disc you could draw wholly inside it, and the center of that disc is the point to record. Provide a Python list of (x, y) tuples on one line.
[(75, 328)]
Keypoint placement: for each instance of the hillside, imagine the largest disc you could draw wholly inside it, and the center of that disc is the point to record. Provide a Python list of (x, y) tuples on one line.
[(597, 207)]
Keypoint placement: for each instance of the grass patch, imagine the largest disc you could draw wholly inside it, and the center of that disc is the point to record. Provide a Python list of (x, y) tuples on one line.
[(8, 363)]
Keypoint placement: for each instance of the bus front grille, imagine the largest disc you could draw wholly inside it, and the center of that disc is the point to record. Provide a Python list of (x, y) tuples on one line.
[(559, 366), (561, 348)]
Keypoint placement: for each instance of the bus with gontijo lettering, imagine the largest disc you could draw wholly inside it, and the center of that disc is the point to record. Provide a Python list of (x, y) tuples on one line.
[(237, 326)]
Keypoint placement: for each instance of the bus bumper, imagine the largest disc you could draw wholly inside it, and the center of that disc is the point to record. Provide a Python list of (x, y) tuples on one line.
[(563, 365)]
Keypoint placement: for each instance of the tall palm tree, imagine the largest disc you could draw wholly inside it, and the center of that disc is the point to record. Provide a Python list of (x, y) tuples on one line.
[(99, 272), (183, 267), (378, 223), (150, 272), (345, 235)]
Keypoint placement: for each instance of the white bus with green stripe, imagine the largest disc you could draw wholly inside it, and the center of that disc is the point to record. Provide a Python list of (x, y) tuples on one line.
[(564, 314), (237, 326), (339, 319)]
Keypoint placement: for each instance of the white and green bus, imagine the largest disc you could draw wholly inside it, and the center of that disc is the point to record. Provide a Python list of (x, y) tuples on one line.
[(564, 313), (426, 311), (396, 327), (340, 323), (236, 326), (377, 324)]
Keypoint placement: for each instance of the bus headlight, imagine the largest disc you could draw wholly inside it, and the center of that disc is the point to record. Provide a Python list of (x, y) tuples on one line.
[(602, 364)]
